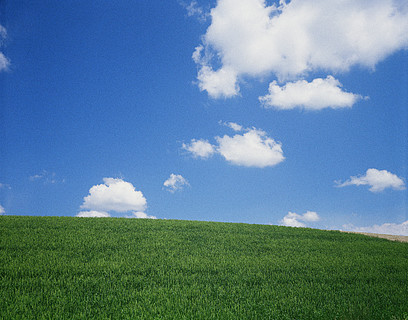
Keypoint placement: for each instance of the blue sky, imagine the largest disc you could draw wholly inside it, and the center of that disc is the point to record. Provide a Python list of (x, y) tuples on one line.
[(258, 112)]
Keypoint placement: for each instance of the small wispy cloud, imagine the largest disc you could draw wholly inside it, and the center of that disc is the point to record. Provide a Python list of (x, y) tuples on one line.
[(46, 177), (4, 61), (232, 125), (378, 180), (195, 10), (4, 186), (3, 32), (175, 182), (2, 210)]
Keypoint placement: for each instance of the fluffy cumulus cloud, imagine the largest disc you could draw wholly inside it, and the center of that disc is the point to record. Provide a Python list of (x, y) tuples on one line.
[(386, 228), (252, 148), (114, 195), (299, 220), (220, 83), (4, 62), (2, 211), (199, 148), (249, 38), (175, 182), (378, 180), (315, 95)]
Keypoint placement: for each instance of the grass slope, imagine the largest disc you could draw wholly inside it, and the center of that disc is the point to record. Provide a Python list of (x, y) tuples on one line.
[(79, 268)]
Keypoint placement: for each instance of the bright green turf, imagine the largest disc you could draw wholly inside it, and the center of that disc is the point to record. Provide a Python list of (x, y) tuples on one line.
[(111, 268)]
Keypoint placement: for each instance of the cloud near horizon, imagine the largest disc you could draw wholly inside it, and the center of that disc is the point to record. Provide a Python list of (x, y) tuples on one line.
[(141, 215), (248, 38), (293, 219), (114, 195), (2, 210), (378, 180), (386, 228), (251, 149), (93, 214), (315, 95)]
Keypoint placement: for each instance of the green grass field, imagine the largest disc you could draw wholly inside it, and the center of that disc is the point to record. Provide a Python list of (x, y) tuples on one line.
[(111, 268)]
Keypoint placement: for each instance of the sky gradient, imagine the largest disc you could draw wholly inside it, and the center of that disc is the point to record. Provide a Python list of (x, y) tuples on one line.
[(290, 113)]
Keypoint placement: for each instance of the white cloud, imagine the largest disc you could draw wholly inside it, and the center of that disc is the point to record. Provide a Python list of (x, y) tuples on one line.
[(141, 215), (3, 32), (315, 95), (175, 183), (378, 180), (220, 83), (295, 220), (292, 220), (102, 214), (4, 62), (2, 210), (200, 148), (250, 38), (194, 10), (251, 149), (234, 126), (386, 228), (311, 216), (46, 177), (114, 195), (197, 54), (93, 214)]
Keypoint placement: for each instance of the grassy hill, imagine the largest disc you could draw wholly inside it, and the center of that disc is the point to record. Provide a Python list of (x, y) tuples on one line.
[(79, 268)]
